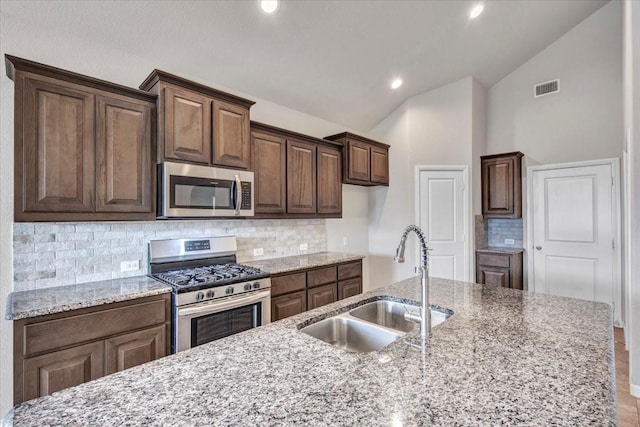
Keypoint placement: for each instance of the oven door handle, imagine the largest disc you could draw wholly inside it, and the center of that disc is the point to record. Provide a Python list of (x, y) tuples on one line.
[(221, 305)]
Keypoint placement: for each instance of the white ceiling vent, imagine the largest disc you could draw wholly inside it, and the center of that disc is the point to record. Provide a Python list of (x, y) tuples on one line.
[(546, 88)]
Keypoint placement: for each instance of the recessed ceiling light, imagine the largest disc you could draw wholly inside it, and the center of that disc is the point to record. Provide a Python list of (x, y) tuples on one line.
[(270, 6), (476, 11), (396, 83)]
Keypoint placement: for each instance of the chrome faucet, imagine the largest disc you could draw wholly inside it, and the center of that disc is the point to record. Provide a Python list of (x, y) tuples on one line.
[(423, 269)]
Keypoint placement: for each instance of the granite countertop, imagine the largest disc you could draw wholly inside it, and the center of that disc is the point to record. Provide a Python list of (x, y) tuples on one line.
[(24, 304), (297, 262), (505, 357), (500, 249)]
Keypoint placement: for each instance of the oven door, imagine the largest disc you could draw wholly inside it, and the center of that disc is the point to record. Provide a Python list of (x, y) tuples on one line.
[(201, 323)]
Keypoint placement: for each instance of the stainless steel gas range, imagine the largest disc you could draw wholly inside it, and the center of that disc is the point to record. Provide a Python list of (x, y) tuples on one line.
[(213, 296)]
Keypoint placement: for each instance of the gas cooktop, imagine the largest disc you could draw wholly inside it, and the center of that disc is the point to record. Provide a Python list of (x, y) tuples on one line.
[(209, 276)]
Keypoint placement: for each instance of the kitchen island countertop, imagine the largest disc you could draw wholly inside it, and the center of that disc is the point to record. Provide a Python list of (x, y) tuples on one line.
[(505, 357)]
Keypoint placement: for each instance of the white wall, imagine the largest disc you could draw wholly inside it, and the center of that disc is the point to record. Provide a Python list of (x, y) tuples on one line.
[(632, 125), (75, 54), (433, 128), (581, 122)]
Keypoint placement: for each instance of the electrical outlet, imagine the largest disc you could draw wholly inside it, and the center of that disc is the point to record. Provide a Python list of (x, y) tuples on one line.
[(258, 252), (509, 242), (304, 246), (130, 265), (345, 241)]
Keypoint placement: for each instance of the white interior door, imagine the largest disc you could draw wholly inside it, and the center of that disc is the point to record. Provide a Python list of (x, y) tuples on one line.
[(574, 232), (442, 209)]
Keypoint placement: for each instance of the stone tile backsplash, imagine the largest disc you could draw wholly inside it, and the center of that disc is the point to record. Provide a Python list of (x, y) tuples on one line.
[(55, 254), (500, 229)]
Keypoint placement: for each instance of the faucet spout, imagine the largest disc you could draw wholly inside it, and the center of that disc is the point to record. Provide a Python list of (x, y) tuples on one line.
[(425, 312)]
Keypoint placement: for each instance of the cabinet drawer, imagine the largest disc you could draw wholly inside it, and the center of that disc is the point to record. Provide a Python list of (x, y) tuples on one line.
[(347, 271), (71, 330), (289, 283), (494, 260), (321, 276)]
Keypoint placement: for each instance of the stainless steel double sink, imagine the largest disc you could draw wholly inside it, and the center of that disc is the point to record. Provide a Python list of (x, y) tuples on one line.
[(371, 326)]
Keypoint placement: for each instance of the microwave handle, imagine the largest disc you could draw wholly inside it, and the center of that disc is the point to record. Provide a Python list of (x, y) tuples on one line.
[(238, 194)]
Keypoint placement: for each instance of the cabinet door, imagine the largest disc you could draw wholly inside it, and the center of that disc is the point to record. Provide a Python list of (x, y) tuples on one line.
[(322, 295), (301, 177), (231, 135), (124, 176), (270, 173), (379, 165), (55, 371), (502, 187), (494, 276), (187, 125), (358, 161), (329, 181), (55, 156), (288, 305), (349, 288), (136, 348)]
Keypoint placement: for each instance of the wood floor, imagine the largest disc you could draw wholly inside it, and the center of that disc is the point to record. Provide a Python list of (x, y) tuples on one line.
[(628, 406)]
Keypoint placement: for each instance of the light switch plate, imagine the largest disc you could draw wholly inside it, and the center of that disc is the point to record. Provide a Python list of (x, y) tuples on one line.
[(130, 265), (304, 246), (258, 252), (345, 241), (509, 242)]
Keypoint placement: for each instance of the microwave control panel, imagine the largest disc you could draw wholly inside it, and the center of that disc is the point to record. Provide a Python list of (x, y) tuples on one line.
[(246, 195)]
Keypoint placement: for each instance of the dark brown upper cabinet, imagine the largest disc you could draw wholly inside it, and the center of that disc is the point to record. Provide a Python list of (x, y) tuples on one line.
[(329, 180), (502, 185), (365, 161), (185, 125), (270, 172), (199, 124), (83, 146), (296, 175), (301, 177)]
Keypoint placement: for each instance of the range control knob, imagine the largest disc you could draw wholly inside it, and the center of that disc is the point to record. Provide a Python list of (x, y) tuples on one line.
[(229, 290), (256, 285), (247, 287), (199, 296), (210, 294)]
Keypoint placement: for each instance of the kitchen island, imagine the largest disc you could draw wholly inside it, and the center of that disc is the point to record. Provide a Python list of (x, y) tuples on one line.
[(504, 357)]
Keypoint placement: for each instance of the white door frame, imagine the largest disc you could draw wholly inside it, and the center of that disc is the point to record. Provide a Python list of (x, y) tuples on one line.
[(615, 226), (468, 248)]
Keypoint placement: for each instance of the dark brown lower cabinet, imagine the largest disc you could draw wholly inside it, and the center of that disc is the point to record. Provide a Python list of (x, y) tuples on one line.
[(129, 350), (322, 295), (61, 350), (296, 292), (499, 269), (288, 305), (62, 369), (349, 288)]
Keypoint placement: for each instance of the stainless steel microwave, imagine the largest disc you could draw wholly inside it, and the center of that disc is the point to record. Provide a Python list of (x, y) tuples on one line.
[(186, 190)]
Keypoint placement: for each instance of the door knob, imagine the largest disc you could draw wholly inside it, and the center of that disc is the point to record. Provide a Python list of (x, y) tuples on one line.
[(539, 248)]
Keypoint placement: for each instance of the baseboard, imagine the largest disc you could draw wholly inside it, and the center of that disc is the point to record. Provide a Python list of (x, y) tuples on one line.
[(635, 390)]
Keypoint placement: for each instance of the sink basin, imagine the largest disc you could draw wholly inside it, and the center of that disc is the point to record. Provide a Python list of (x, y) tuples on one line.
[(351, 334), (390, 314)]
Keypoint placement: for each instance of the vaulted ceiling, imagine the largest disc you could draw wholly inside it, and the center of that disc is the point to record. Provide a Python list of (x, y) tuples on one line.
[(330, 59)]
